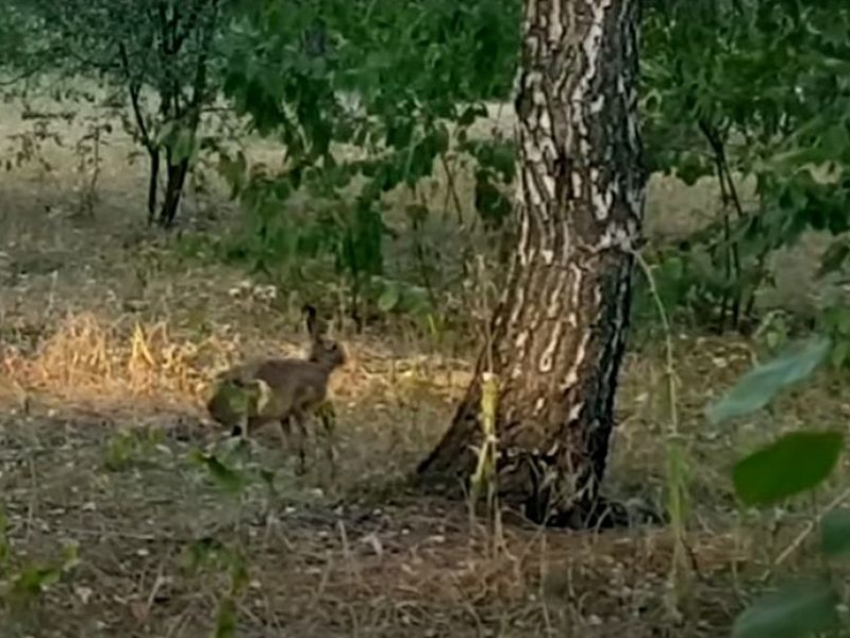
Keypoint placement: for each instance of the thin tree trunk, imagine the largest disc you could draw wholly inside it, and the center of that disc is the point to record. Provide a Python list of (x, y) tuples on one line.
[(559, 332), (176, 179), (177, 171), (153, 184)]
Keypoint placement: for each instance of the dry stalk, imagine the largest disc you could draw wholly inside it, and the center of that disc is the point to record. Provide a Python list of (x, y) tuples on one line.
[(486, 475), (677, 488)]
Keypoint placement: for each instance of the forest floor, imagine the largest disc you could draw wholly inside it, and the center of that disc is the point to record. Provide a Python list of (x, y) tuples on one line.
[(109, 336)]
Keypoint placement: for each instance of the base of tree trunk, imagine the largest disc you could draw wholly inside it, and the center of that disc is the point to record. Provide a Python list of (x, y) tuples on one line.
[(176, 179), (609, 514), (602, 513)]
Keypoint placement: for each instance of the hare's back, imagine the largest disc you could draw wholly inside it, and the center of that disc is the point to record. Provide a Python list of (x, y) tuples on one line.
[(280, 373), (295, 381)]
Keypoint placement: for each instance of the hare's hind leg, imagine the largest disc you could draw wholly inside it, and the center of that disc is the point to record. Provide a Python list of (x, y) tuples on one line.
[(244, 429), (327, 415), (285, 431), (298, 417)]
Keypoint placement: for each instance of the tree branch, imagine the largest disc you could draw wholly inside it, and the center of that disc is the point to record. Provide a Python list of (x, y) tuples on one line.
[(135, 87)]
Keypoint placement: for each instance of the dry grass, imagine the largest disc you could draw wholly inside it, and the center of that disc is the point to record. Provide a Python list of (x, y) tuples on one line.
[(103, 367), (87, 358)]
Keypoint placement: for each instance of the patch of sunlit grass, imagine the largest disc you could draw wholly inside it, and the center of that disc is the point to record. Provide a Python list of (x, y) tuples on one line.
[(87, 356)]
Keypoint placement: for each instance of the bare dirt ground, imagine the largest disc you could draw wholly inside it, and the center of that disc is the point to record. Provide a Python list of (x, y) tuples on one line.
[(108, 340)]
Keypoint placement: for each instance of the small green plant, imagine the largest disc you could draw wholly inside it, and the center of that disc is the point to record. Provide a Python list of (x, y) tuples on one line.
[(23, 583), (214, 556), (129, 448), (120, 450), (677, 466), (485, 476), (774, 330), (229, 480), (836, 323), (209, 554), (31, 581)]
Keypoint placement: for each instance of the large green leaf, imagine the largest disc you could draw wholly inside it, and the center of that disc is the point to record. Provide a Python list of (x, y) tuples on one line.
[(835, 533), (798, 610), (755, 389), (796, 462)]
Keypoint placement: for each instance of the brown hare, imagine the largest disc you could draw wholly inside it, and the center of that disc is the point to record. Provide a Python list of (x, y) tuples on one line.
[(283, 391)]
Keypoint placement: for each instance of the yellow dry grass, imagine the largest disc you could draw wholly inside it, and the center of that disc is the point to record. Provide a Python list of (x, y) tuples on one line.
[(87, 358)]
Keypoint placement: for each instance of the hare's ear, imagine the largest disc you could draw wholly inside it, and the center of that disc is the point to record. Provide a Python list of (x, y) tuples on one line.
[(310, 317)]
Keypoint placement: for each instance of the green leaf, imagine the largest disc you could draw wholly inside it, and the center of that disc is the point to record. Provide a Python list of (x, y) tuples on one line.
[(692, 168), (490, 203), (231, 403), (798, 610), (389, 298), (834, 258), (32, 581), (416, 301), (755, 389), (796, 462), (835, 533), (165, 133), (841, 353), (234, 172), (70, 555), (672, 270), (184, 145), (204, 550), (470, 114)]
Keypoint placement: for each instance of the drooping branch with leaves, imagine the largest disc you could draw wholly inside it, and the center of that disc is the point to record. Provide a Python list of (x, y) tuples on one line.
[(418, 75), (752, 94)]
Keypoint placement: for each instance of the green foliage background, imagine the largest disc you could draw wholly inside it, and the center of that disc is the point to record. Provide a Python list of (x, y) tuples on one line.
[(367, 97)]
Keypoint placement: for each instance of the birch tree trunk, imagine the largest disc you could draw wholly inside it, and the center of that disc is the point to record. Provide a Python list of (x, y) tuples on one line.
[(558, 333)]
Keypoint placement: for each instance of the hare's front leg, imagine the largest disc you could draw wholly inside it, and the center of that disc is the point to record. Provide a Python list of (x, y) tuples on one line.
[(243, 425), (285, 431), (327, 415), (298, 417)]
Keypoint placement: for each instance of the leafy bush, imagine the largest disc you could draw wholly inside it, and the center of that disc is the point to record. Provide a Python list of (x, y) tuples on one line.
[(754, 94), (416, 74)]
